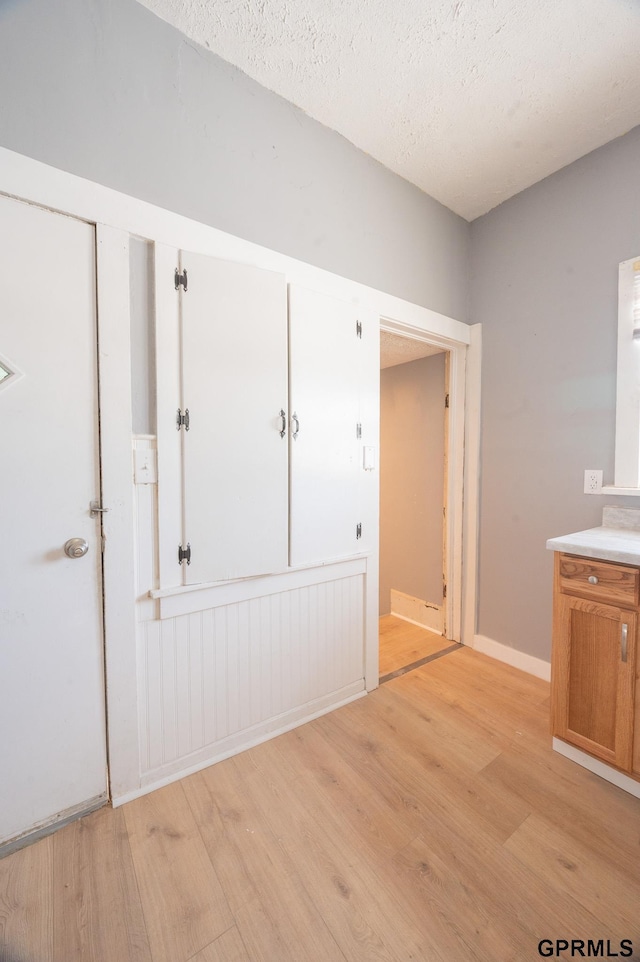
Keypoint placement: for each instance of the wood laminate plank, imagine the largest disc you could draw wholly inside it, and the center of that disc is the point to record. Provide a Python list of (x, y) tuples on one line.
[(367, 917), (184, 906), (487, 882), (402, 643), (564, 865), (425, 776), (494, 708), (228, 947), (581, 804), (26, 904), (94, 883), (332, 784), (429, 821), (274, 914)]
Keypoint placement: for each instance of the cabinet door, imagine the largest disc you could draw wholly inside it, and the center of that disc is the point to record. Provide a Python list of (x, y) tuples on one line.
[(593, 678), (324, 406), (234, 383)]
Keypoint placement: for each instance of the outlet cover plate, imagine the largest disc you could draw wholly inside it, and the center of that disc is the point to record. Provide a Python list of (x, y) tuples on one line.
[(592, 481)]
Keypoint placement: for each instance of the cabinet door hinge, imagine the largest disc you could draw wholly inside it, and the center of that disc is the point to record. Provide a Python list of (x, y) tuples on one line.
[(182, 419), (358, 531), (358, 430), (181, 279), (184, 554), (358, 328)]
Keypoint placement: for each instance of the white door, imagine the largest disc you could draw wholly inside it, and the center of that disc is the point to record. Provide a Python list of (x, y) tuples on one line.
[(234, 384), (52, 712), (325, 446)]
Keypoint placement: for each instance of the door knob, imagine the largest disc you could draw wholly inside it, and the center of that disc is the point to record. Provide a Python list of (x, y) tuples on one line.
[(76, 548)]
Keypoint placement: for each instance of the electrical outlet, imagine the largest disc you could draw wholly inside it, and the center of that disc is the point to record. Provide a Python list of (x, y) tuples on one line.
[(592, 481)]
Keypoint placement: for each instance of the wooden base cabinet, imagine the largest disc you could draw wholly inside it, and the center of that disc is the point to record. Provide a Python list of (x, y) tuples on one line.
[(593, 681)]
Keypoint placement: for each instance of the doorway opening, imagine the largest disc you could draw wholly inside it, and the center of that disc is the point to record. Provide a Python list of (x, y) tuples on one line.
[(414, 409)]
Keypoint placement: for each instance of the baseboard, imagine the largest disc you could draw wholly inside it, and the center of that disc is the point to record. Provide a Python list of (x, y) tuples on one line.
[(513, 657), (42, 829), (241, 742), (416, 611), (597, 767)]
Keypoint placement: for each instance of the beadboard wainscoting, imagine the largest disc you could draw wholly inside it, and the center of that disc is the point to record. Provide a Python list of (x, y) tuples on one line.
[(226, 674)]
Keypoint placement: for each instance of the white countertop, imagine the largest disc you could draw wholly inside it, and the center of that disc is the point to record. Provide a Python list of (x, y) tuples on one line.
[(617, 539), (608, 544)]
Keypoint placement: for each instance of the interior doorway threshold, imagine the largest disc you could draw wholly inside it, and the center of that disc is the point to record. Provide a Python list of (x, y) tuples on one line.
[(52, 825), (418, 664)]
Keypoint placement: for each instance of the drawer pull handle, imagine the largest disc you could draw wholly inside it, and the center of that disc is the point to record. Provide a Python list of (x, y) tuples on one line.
[(623, 642), (593, 580)]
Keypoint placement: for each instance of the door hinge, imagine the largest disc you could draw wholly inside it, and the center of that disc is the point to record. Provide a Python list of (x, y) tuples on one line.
[(358, 430), (446, 401), (358, 531), (358, 328), (181, 279), (184, 554), (182, 419)]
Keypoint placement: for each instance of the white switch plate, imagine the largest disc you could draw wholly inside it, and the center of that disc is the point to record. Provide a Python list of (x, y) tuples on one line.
[(369, 459), (592, 481)]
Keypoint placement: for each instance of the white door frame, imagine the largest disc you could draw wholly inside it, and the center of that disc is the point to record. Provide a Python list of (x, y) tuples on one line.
[(116, 216), (455, 456)]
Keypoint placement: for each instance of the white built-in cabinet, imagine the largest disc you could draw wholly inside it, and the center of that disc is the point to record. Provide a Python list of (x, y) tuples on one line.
[(233, 321), (270, 440)]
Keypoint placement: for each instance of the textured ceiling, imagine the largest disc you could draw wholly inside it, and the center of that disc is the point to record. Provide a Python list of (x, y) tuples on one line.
[(471, 100), (395, 349)]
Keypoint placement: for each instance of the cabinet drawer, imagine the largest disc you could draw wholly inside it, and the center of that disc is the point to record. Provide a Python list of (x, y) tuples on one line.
[(598, 580)]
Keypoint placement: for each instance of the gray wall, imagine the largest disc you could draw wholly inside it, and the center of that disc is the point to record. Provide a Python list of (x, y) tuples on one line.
[(106, 90), (544, 287), (412, 479)]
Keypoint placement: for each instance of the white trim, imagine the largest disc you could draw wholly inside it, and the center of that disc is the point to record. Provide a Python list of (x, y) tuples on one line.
[(627, 457), (470, 519), (418, 624), (114, 372), (513, 657), (454, 526), (168, 400), (621, 492), (29, 180), (190, 598), (416, 611), (244, 740), (594, 765)]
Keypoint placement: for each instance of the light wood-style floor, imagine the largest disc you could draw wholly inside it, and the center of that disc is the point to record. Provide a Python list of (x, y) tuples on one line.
[(429, 821), (402, 643)]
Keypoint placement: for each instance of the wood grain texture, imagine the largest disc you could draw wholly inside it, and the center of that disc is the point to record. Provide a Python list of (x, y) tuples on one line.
[(259, 878), (229, 947), (593, 685), (95, 884), (184, 906), (430, 821), (26, 904), (616, 584), (402, 643)]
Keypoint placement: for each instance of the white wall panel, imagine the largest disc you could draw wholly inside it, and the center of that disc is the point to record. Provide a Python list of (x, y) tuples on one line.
[(211, 674), (147, 572)]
